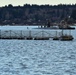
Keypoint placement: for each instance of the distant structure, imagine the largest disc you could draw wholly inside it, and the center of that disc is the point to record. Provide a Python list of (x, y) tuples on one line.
[(65, 24)]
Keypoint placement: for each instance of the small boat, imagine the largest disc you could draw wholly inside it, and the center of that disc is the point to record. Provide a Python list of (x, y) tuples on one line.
[(66, 38), (64, 25)]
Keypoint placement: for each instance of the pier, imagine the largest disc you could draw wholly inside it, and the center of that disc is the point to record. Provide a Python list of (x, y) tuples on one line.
[(34, 33), (29, 34)]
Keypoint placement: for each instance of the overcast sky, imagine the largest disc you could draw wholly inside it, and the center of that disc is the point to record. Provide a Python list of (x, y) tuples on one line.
[(39, 2)]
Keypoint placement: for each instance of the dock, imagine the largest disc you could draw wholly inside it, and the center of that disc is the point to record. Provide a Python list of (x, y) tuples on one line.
[(33, 34), (29, 34)]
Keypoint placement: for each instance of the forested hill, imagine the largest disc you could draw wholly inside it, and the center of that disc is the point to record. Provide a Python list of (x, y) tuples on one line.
[(35, 14)]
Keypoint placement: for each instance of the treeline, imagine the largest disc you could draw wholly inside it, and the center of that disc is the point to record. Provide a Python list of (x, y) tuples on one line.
[(35, 14)]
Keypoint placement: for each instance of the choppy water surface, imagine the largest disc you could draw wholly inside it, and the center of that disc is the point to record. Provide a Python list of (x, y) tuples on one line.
[(24, 57)]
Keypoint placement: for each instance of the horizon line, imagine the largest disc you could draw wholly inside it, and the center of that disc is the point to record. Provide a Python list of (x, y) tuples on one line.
[(40, 4)]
